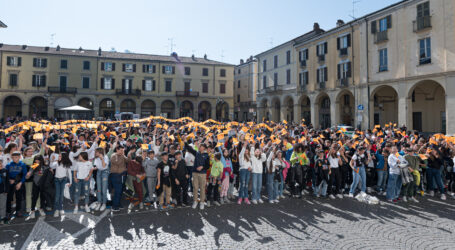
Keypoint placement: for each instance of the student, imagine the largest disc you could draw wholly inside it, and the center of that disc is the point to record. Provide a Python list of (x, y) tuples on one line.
[(257, 159), (245, 172), (36, 173), (82, 174), (150, 165), (358, 163), (137, 173), (214, 180), (17, 170), (273, 166), (201, 165), (118, 172), (62, 168), (3, 193), (180, 175), (322, 171), (101, 164), (164, 182), (226, 175), (394, 181), (334, 159)]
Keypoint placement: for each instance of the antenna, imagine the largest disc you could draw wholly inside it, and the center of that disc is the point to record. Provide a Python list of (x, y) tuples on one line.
[(222, 55), (354, 2), (171, 44), (271, 42), (52, 39)]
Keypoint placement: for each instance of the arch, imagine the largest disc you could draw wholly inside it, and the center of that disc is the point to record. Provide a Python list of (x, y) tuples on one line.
[(148, 108), (62, 102), (204, 110), (305, 108), (38, 107), (263, 110), (323, 110), (128, 105), (186, 109), (427, 107), (86, 103), (168, 108), (345, 108), (384, 100), (276, 108), (222, 111), (288, 106), (12, 107), (107, 108)]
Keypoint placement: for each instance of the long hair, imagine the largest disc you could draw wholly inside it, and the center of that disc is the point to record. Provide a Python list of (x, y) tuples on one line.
[(65, 161)]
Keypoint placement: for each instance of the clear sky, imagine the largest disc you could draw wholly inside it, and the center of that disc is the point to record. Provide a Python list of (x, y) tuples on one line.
[(224, 30)]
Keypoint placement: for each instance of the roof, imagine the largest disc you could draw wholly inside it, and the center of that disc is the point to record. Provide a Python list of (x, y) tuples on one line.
[(108, 54), (2, 25)]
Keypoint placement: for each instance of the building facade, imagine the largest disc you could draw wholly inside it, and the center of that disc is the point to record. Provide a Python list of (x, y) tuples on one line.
[(394, 65), (38, 81), (245, 90)]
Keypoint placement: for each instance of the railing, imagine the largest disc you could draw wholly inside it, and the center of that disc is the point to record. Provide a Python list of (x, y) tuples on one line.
[(381, 36), (128, 92), (303, 63), (344, 52), (425, 60), (187, 93), (321, 85), (64, 90), (321, 58), (422, 23), (302, 88), (343, 82)]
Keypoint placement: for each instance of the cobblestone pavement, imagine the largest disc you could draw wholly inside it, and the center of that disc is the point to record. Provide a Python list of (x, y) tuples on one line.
[(291, 224)]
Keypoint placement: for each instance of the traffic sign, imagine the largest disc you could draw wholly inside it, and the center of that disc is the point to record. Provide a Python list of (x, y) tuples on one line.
[(360, 107)]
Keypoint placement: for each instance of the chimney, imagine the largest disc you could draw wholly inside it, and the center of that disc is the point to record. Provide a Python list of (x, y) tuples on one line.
[(46, 48), (316, 26), (99, 51), (241, 61), (251, 58), (80, 48), (58, 48), (24, 46), (1, 45), (340, 22), (192, 57), (205, 56)]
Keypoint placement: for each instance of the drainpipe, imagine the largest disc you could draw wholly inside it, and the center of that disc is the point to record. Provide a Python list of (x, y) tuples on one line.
[(352, 62), (368, 75)]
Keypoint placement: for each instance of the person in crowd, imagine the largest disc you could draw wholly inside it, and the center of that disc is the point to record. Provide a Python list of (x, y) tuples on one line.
[(101, 165), (358, 163), (82, 175), (201, 165), (17, 171), (164, 181), (245, 173), (150, 164), (180, 175), (62, 169), (137, 174), (257, 159)]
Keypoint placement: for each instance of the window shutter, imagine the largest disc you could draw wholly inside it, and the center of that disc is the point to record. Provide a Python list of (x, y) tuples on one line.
[(35, 62), (300, 79), (389, 21), (143, 84), (338, 71), (306, 54), (102, 66), (373, 27), (325, 74), (163, 69), (112, 83), (317, 76), (123, 67), (306, 77), (153, 83), (300, 56), (43, 81), (19, 61), (325, 48), (173, 69), (154, 69), (113, 66), (349, 70), (338, 43), (123, 84), (134, 67), (34, 81), (44, 63), (317, 50), (102, 83), (349, 40), (8, 61), (143, 68)]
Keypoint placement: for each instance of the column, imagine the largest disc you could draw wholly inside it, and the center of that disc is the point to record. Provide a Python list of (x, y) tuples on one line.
[(25, 110), (297, 113), (333, 110), (450, 102), (403, 112), (138, 107), (314, 116), (260, 114)]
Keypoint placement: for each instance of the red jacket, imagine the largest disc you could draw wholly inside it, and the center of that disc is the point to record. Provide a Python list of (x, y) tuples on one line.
[(134, 168)]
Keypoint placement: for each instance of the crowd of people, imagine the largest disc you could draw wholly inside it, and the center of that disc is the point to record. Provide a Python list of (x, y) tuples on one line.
[(47, 168)]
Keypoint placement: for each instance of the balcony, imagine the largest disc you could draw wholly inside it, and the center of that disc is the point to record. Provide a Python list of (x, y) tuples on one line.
[(343, 82), (128, 92), (344, 52), (321, 58), (321, 86), (422, 23), (381, 36), (302, 88), (303, 64), (187, 93), (62, 90)]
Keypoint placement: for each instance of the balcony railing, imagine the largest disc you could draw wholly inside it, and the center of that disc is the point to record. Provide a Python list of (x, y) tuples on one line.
[(303, 63), (344, 52), (321, 85), (343, 82), (128, 92), (187, 93), (381, 36), (63, 90), (321, 58), (302, 88), (422, 23)]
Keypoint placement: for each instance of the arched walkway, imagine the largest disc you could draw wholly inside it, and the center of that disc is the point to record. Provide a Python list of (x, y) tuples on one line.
[(276, 109), (305, 107), (428, 107), (168, 109), (38, 107), (289, 109), (323, 111), (107, 108), (128, 105), (12, 107), (86, 103), (148, 108), (204, 111), (222, 111), (346, 108), (384, 101), (186, 109)]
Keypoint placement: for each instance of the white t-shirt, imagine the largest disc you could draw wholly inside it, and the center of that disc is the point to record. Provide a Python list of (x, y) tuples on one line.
[(83, 169), (99, 164), (333, 162)]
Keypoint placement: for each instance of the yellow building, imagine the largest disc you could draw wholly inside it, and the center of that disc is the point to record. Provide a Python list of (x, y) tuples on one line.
[(245, 90), (38, 81)]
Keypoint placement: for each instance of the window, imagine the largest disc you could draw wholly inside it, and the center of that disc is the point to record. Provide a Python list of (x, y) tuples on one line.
[(264, 66), (347, 100), (63, 82), (288, 76), (423, 9), (14, 61), (109, 103), (321, 49), (425, 50), (288, 57), (264, 82), (222, 72), (108, 83), (148, 85), (383, 60), (238, 71), (321, 74), (205, 87), (238, 84), (303, 78), (303, 55), (383, 24), (238, 98), (12, 79), (344, 70), (108, 66), (85, 82), (168, 86), (222, 88), (39, 62), (39, 80), (86, 65), (64, 64), (187, 71), (205, 72), (129, 67), (149, 68), (344, 42), (168, 70), (275, 61), (275, 79)]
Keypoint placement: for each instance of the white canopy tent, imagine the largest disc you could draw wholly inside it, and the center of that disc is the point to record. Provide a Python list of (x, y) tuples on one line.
[(75, 112), (75, 108)]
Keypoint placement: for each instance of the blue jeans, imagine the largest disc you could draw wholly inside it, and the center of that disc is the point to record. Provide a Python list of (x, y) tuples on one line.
[(82, 186), (280, 185), (356, 177), (272, 187), (393, 186), (244, 180), (73, 186), (382, 177), (117, 182), (59, 187), (102, 178), (436, 174), (257, 186), (321, 189)]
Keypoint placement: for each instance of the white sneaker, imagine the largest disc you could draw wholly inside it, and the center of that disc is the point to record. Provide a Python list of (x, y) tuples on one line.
[(76, 210), (282, 197), (32, 215), (443, 197), (405, 199), (276, 201), (87, 209), (332, 197), (254, 202), (351, 195), (431, 193), (208, 203), (340, 196), (103, 207), (98, 207), (414, 200), (42, 213), (318, 195), (217, 203), (271, 201), (56, 213), (62, 212), (141, 205), (130, 206), (194, 205), (260, 201), (201, 206)]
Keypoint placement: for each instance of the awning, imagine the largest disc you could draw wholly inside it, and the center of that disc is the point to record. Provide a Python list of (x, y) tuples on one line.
[(75, 108)]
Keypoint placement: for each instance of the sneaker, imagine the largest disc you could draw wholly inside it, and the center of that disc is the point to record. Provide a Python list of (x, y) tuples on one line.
[(62, 213), (276, 201), (254, 202), (130, 206), (282, 197), (431, 193), (271, 201), (201, 206), (98, 207), (217, 203), (247, 201), (318, 195), (340, 196), (405, 199), (351, 195), (115, 209), (443, 197), (32, 215), (42, 213), (239, 201), (414, 200), (194, 205), (260, 201), (56, 213), (222, 201), (103, 207), (76, 210), (87, 209), (390, 200), (141, 205), (156, 206), (332, 197), (208, 203)]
